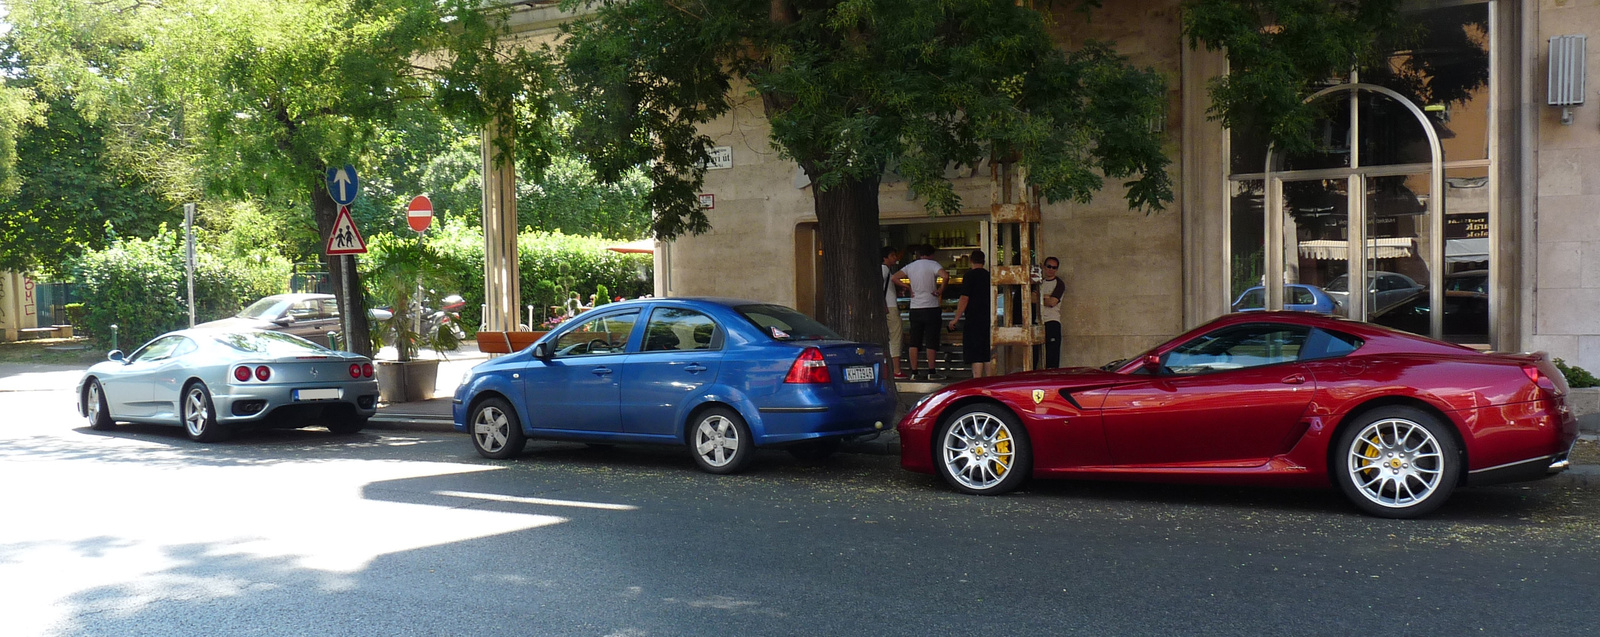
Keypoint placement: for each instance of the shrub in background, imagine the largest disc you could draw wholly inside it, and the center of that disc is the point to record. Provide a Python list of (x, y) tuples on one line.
[(139, 285), (1577, 377), (551, 265)]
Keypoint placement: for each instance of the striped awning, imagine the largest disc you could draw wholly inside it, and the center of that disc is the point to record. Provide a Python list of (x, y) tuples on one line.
[(1333, 250)]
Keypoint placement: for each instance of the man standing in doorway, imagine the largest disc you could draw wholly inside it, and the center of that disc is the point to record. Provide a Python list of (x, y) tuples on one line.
[(927, 287), (891, 299), (1051, 289), (976, 297)]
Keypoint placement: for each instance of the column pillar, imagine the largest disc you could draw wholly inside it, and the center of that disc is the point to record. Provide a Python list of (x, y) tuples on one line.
[(502, 290)]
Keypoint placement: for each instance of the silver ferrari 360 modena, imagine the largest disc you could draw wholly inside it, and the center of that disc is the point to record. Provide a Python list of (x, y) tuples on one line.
[(212, 381)]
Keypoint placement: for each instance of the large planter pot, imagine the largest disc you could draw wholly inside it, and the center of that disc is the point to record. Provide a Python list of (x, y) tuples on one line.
[(1585, 404), (407, 382)]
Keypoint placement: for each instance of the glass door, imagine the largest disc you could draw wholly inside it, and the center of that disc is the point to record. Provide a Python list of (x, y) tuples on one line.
[(1398, 264)]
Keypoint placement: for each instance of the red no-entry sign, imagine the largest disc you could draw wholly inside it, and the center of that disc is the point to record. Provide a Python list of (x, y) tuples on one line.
[(419, 215)]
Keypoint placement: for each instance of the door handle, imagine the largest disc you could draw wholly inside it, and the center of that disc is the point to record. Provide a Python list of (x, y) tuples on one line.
[(694, 368), (1294, 379), (601, 371)]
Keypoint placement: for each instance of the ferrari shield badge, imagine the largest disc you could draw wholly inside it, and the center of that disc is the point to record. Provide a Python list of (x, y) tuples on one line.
[(1038, 396)]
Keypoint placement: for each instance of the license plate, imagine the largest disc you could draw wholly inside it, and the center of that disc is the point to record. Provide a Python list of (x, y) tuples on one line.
[(858, 374), (316, 394)]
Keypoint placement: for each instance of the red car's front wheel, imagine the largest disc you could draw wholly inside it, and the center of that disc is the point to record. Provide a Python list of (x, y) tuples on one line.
[(983, 450)]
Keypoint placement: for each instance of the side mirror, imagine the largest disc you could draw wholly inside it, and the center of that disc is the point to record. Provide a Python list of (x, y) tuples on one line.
[(283, 320), (1151, 363), (115, 355), (541, 350)]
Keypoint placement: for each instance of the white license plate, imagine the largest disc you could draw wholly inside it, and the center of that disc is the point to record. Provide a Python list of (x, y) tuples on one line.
[(858, 374), (316, 394)]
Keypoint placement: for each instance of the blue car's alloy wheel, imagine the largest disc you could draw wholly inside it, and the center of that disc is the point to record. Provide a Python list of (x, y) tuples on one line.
[(720, 441), (496, 433)]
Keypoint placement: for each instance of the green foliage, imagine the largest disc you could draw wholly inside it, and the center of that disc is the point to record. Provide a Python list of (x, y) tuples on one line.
[(75, 314), (1577, 377), (851, 88), (71, 195), (602, 296), (406, 275), (1281, 51), (139, 285), (552, 266)]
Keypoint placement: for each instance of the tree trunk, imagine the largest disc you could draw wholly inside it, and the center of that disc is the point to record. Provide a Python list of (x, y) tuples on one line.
[(849, 277), (352, 302)]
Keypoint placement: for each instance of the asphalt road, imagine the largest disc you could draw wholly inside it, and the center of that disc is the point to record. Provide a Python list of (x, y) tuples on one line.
[(394, 532)]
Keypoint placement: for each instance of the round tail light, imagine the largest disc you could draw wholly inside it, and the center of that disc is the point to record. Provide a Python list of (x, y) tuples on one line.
[(262, 373), (355, 370), (241, 374), (366, 370)]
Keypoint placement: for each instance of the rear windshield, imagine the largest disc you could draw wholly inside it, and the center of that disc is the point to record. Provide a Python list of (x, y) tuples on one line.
[(269, 307), (784, 324), (271, 344)]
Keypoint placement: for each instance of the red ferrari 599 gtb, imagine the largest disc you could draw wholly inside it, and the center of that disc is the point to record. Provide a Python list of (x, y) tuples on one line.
[(1393, 420)]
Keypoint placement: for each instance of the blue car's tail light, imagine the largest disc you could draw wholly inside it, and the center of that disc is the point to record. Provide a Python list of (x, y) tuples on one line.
[(809, 368)]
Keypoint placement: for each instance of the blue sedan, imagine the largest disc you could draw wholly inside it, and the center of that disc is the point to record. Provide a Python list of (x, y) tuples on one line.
[(1296, 296), (720, 376)]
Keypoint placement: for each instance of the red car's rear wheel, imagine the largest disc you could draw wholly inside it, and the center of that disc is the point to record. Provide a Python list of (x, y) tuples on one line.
[(1397, 462)]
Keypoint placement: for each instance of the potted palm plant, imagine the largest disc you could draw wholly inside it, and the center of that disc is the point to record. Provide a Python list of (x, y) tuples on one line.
[(406, 276)]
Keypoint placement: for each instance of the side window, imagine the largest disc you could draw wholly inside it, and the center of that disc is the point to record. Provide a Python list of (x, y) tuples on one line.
[(158, 349), (600, 335), (672, 328), (1301, 296), (304, 310), (330, 308), (1238, 347), (1326, 344)]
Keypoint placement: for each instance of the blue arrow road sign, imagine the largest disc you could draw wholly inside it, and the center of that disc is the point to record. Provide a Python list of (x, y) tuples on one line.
[(342, 184)]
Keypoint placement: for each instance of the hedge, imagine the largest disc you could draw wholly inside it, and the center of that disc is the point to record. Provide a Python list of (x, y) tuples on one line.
[(552, 267), (139, 285)]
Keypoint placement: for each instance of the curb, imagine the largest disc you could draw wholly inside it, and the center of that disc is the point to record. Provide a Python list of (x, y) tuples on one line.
[(886, 443)]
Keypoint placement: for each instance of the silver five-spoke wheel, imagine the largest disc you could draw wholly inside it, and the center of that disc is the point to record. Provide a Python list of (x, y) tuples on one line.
[(495, 430), (199, 420), (983, 450), (94, 406), (720, 440)]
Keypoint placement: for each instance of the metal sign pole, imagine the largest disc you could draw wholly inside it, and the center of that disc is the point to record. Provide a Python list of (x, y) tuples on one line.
[(188, 262)]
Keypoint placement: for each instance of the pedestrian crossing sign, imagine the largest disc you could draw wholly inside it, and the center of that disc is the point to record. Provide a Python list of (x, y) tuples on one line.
[(345, 239)]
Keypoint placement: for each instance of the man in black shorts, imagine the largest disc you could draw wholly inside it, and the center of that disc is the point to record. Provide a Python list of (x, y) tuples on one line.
[(927, 286), (976, 298)]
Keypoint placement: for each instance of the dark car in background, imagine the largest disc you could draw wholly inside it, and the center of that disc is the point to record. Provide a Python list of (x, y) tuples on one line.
[(306, 315)]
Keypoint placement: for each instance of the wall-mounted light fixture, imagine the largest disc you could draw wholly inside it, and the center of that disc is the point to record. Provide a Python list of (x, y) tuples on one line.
[(1567, 73)]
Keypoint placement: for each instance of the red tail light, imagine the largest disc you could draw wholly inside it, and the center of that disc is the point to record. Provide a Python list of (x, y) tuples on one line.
[(355, 370), (241, 374), (809, 368), (366, 370), (262, 373), (1539, 378)]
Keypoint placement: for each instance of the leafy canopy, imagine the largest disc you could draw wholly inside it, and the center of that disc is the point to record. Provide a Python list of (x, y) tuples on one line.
[(854, 87)]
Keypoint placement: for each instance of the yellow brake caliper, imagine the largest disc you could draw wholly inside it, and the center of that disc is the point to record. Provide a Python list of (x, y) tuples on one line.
[(1002, 448), (1371, 452)]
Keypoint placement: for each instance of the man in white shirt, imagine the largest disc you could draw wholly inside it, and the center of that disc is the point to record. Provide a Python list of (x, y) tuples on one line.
[(927, 287), (891, 299), (1051, 290)]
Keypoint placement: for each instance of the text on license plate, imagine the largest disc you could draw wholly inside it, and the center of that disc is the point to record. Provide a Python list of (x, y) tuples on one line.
[(316, 394), (858, 374)]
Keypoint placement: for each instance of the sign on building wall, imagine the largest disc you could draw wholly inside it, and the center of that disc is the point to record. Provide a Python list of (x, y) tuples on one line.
[(1472, 225), (721, 157), (708, 200)]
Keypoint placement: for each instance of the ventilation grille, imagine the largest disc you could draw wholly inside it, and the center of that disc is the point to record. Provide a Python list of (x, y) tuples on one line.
[(1567, 70)]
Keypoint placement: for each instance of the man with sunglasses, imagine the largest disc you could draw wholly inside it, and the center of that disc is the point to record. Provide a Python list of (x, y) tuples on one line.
[(1051, 290)]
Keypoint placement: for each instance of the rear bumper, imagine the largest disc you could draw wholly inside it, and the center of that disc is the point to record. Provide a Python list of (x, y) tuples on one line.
[(1523, 471), (260, 404), (837, 417)]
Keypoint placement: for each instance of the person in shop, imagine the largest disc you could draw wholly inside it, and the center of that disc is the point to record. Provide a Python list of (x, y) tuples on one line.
[(927, 287), (1051, 290), (974, 304), (891, 295)]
